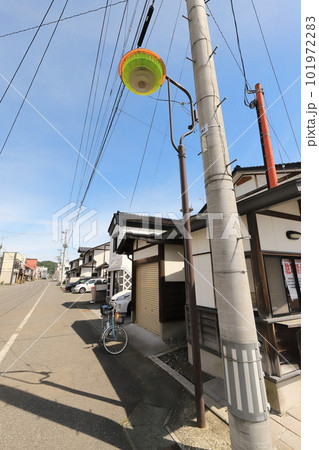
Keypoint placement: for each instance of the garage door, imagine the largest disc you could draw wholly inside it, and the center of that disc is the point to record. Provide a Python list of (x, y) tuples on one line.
[(147, 298)]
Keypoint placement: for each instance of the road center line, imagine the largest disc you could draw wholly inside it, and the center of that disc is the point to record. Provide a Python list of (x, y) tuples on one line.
[(11, 340)]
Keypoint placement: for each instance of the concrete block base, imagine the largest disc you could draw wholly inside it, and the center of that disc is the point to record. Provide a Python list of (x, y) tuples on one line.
[(283, 393)]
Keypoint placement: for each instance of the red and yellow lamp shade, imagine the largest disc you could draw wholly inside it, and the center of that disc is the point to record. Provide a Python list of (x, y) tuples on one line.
[(142, 71)]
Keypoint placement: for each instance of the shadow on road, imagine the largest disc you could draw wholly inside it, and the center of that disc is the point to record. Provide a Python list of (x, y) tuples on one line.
[(83, 304), (147, 393), (81, 421), (84, 331)]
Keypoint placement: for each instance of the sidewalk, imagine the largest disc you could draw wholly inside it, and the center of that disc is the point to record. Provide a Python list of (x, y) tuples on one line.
[(286, 429)]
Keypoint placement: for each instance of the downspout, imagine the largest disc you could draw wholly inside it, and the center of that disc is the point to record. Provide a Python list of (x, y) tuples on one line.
[(268, 155)]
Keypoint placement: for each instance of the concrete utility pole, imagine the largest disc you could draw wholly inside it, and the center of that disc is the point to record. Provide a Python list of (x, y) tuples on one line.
[(65, 245), (243, 376)]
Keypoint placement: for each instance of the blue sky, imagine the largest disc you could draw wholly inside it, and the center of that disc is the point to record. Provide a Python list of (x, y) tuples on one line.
[(37, 165)]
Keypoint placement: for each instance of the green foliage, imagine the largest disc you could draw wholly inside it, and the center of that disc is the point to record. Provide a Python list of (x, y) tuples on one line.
[(50, 265)]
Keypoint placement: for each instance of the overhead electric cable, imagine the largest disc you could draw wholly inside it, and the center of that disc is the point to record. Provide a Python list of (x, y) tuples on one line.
[(33, 78), (106, 134), (115, 78), (115, 108), (273, 130), (112, 112), (225, 40), (89, 101), (94, 168), (246, 88), (275, 75), (154, 112), (166, 134), (26, 52), (64, 18), (144, 152), (106, 85), (154, 21)]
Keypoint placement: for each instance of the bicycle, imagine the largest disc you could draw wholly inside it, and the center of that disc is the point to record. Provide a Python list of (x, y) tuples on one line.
[(113, 337)]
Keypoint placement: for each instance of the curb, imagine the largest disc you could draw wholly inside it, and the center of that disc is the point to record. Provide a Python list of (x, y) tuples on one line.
[(188, 386)]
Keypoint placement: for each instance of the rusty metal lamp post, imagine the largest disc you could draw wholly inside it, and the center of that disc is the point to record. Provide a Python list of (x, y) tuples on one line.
[(143, 72)]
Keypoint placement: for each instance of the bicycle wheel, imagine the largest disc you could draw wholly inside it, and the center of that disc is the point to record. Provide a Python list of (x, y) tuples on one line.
[(114, 340)]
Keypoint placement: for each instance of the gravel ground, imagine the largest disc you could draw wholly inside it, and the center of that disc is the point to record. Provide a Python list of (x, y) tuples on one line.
[(182, 422), (183, 425), (178, 360)]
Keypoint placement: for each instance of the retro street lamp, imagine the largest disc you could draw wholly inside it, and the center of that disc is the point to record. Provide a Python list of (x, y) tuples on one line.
[(143, 72)]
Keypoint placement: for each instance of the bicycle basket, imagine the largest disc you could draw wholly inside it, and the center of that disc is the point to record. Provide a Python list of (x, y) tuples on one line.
[(105, 309)]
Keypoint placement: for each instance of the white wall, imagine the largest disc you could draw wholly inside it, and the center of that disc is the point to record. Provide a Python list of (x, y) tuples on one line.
[(147, 252), (244, 232), (247, 186), (174, 263), (200, 241), (101, 256), (290, 207), (203, 269), (86, 272), (118, 262), (272, 233), (204, 281), (7, 266)]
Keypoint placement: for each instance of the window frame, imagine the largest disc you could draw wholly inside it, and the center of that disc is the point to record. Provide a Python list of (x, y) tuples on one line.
[(292, 258)]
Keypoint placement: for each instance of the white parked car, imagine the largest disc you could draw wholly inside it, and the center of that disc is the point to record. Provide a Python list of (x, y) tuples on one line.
[(123, 303), (87, 285)]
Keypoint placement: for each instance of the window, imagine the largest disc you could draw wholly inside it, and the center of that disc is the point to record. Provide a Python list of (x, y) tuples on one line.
[(116, 281), (121, 281), (114, 244), (108, 287), (284, 283)]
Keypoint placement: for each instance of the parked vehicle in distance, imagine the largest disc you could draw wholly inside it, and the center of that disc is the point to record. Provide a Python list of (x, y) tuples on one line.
[(123, 303), (87, 285), (69, 287)]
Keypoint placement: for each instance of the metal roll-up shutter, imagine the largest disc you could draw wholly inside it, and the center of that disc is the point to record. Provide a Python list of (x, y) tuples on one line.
[(147, 297)]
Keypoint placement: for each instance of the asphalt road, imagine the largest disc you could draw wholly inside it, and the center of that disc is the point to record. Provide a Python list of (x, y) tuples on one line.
[(58, 388)]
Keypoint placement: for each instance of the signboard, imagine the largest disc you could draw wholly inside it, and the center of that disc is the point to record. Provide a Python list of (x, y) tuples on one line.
[(298, 270), (289, 278)]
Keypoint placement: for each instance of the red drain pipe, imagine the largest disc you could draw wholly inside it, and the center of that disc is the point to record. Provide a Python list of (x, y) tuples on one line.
[(268, 155)]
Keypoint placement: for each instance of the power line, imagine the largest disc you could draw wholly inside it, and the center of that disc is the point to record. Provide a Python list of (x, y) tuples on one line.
[(89, 100), (104, 92), (25, 234), (275, 75), (65, 18), (242, 71), (115, 80), (112, 115), (144, 152), (247, 88), (33, 78), (26, 52), (154, 112), (225, 40), (111, 119)]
